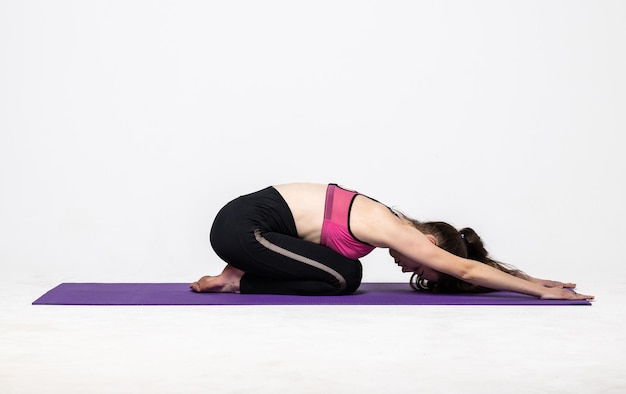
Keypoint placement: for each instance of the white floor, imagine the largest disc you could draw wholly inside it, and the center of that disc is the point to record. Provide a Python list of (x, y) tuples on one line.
[(313, 349)]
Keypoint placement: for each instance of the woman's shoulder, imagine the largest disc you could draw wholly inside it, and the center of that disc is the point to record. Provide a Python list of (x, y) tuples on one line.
[(374, 222)]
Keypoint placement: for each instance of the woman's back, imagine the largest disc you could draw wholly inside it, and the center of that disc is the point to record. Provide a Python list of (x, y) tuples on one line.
[(306, 202)]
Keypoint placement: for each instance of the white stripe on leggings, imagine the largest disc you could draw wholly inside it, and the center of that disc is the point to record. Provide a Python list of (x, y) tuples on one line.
[(302, 259)]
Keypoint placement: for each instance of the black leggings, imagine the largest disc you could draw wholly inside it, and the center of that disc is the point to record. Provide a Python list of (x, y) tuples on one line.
[(257, 234)]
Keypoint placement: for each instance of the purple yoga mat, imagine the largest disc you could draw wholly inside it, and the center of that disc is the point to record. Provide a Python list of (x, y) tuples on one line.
[(179, 294)]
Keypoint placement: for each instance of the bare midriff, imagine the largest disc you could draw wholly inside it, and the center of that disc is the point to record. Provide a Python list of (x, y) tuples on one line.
[(306, 202)]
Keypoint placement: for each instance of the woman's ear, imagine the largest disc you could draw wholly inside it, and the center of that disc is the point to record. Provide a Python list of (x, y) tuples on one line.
[(432, 239)]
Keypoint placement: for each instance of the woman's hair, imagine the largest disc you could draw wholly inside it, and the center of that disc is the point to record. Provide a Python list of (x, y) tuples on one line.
[(464, 243)]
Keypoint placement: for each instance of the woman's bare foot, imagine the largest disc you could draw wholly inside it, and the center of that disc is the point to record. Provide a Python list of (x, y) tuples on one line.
[(226, 282)]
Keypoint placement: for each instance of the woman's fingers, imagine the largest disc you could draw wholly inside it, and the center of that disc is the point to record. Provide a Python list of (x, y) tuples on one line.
[(555, 293)]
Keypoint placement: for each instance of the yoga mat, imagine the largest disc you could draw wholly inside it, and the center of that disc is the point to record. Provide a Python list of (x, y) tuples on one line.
[(180, 294)]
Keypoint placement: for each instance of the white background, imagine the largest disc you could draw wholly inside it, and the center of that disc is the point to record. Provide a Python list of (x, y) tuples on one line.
[(126, 125)]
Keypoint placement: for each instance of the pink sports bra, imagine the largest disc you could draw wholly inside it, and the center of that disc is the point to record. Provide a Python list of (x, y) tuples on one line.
[(336, 232)]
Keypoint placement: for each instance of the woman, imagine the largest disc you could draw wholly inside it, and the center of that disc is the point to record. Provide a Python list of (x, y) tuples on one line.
[(305, 238)]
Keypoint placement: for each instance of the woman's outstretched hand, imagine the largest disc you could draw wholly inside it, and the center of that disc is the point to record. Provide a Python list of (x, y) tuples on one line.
[(555, 290), (562, 293)]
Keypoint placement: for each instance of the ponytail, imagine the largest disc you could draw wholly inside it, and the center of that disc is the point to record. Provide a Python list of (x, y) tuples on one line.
[(476, 251)]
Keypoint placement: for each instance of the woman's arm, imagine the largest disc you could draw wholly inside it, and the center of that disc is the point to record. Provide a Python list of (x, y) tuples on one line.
[(383, 229), (486, 276), (478, 273)]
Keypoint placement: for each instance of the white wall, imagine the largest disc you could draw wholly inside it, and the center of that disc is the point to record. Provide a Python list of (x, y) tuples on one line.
[(125, 125)]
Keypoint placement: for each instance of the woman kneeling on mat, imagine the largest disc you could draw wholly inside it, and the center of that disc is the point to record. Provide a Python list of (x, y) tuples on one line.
[(306, 239)]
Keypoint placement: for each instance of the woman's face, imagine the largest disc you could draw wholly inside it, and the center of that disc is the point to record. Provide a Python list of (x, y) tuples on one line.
[(409, 265)]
